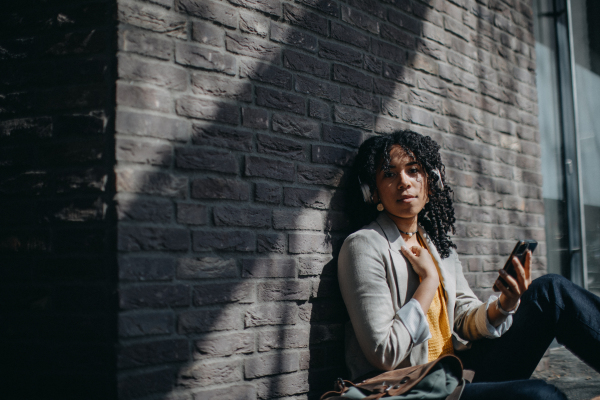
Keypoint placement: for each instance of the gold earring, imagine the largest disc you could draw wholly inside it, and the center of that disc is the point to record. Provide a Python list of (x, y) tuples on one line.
[(379, 207)]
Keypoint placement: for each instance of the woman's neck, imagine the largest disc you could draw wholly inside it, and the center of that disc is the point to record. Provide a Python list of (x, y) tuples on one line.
[(405, 225)]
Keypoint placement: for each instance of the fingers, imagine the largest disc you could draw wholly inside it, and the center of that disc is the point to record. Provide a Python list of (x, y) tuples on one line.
[(503, 289), (412, 253), (528, 259), (520, 272), (416, 250), (513, 285)]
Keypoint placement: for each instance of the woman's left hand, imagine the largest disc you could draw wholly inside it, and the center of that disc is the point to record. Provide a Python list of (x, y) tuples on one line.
[(516, 287)]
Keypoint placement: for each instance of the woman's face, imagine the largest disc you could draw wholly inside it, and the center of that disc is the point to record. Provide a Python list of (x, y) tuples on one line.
[(403, 190)]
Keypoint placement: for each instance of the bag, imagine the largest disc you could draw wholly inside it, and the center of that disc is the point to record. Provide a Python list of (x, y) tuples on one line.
[(443, 378)]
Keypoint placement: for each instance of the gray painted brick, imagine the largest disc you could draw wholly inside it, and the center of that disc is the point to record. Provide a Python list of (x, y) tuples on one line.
[(268, 168), (271, 243), (280, 100), (280, 147), (208, 34), (271, 364), (332, 155), (352, 77), (223, 240), (246, 216), (155, 183), (204, 134), (297, 126), (146, 269), (220, 188), (192, 214), (208, 85), (204, 58), (267, 193), (268, 268), (152, 125), (224, 344), (214, 293), (271, 314), (254, 23), (252, 47), (210, 10), (255, 118), (360, 20), (203, 159), (305, 63), (294, 37), (265, 73), (303, 243), (206, 268), (305, 19), (188, 106), (317, 88), (272, 7), (348, 35), (153, 18)]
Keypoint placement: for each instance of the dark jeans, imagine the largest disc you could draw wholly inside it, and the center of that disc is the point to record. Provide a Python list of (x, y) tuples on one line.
[(513, 390), (552, 307)]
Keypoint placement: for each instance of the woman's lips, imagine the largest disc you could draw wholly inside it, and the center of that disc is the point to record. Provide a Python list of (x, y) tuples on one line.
[(407, 199)]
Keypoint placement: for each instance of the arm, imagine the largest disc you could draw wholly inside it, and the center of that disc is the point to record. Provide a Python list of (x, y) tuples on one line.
[(384, 339), (472, 317)]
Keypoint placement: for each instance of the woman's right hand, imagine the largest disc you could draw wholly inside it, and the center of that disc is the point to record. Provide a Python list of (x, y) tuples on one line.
[(422, 262)]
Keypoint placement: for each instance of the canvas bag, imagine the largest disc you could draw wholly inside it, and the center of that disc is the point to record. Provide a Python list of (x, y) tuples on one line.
[(440, 379)]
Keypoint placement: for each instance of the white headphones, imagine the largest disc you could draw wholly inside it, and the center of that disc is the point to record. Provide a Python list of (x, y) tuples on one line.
[(368, 197)]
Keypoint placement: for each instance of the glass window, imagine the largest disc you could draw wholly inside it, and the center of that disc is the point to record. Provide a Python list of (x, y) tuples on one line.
[(557, 238), (586, 52)]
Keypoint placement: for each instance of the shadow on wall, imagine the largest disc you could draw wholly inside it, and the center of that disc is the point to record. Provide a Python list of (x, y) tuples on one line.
[(58, 304), (272, 326)]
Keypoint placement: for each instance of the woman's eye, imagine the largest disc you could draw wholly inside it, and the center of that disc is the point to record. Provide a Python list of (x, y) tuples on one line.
[(413, 170), (388, 174)]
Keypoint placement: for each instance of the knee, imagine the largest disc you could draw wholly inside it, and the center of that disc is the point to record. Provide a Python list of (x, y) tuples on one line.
[(549, 283)]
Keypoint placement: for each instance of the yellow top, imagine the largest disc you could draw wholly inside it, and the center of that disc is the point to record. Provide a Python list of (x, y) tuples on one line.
[(437, 318)]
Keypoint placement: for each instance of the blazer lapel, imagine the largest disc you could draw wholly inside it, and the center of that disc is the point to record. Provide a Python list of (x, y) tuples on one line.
[(405, 280), (448, 275)]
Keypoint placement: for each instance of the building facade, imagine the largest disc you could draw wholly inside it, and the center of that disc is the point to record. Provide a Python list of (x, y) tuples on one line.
[(173, 173), (568, 50)]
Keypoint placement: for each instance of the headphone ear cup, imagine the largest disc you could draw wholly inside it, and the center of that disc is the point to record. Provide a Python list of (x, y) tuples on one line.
[(366, 192), (439, 184)]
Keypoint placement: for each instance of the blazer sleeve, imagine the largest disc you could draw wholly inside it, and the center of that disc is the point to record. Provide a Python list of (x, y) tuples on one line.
[(383, 338), (470, 314)]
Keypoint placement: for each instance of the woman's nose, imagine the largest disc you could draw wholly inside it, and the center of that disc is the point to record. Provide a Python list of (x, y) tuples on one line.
[(403, 180)]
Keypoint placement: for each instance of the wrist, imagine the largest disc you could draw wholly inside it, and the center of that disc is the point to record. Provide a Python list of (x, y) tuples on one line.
[(506, 310), (430, 279)]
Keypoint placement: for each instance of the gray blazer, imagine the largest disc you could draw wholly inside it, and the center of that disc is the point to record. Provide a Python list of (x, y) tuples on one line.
[(376, 281)]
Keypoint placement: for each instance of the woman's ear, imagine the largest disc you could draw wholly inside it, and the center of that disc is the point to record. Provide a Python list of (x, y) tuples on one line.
[(375, 196)]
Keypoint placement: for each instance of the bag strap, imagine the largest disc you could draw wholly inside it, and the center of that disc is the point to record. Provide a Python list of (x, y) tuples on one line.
[(467, 377)]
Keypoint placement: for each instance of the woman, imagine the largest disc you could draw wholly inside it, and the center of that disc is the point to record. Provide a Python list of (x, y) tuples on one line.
[(409, 302)]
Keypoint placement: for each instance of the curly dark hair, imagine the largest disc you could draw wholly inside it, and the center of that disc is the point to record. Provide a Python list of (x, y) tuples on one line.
[(437, 217)]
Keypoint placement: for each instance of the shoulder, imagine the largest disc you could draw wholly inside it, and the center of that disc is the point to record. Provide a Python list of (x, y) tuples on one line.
[(370, 236), (369, 241)]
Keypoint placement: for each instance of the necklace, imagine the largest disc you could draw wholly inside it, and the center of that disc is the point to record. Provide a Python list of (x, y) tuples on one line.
[(409, 234)]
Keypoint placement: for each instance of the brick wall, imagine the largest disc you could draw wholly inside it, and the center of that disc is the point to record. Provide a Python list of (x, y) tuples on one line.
[(58, 263), (235, 124)]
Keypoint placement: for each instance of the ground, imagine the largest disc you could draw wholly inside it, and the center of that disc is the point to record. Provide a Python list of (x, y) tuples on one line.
[(571, 375)]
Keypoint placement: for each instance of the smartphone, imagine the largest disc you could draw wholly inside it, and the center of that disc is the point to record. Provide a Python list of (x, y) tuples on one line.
[(520, 251)]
